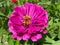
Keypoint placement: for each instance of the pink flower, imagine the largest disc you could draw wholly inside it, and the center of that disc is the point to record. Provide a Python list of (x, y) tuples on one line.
[(28, 21)]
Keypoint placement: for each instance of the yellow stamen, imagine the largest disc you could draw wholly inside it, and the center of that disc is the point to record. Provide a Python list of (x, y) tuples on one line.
[(26, 20), (28, 17)]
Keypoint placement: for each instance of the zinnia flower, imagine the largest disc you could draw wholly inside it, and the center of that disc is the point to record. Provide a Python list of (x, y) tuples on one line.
[(14, 1), (28, 22)]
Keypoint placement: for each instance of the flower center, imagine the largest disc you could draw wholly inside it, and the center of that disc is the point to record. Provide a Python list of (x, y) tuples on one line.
[(27, 20)]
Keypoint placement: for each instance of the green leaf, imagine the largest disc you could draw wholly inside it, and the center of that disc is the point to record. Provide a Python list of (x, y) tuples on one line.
[(46, 44), (5, 39), (17, 42), (49, 40), (10, 41), (58, 6), (59, 33), (1, 13), (0, 39), (56, 43)]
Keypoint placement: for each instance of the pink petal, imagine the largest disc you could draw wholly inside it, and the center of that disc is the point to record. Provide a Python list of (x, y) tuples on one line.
[(12, 30), (10, 23), (32, 10), (27, 6), (41, 30), (20, 9), (39, 36), (20, 28), (33, 29), (15, 19), (38, 11), (26, 36), (34, 38), (44, 31), (19, 38), (14, 35)]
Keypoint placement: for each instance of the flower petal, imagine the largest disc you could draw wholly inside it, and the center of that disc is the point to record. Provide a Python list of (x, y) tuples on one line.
[(26, 36), (44, 32), (39, 36), (16, 19), (27, 6), (19, 38), (34, 38), (20, 9)]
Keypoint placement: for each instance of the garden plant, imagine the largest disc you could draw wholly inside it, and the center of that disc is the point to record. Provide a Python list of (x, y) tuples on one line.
[(29, 22)]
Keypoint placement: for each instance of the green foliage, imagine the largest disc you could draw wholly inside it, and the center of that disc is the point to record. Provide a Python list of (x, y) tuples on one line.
[(53, 9)]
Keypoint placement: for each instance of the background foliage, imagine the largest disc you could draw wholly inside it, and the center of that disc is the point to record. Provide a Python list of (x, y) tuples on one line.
[(53, 9)]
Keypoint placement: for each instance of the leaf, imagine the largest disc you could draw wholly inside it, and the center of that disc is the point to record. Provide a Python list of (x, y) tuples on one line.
[(59, 33), (5, 39), (51, 21), (49, 40), (8, 3), (1, 13), (46, 44), (58, 6), (0, 39), (10, 41), (56, 43), (17, 42)]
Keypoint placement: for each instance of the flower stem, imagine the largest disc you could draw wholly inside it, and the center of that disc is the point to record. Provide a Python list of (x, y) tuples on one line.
[(33, 43), (18, 2), (26, 43), (26, 0)]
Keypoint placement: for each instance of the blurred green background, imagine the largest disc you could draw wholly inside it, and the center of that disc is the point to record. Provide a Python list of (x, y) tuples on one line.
[(53, 9)]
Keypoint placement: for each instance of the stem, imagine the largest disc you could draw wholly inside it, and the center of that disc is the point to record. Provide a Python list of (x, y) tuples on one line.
[(18, 2), (26, 43), (26, 0), (33, 43)]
